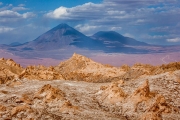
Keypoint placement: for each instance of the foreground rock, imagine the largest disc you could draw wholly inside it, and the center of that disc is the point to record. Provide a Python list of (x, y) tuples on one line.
[(55, 99), (36, 105), (141, 103)]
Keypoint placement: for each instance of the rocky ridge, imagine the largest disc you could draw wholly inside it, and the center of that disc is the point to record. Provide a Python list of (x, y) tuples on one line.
[(40, 73), (81, 68)]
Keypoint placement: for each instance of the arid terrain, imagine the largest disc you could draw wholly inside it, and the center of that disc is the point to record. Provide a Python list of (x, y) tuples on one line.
[(114, 59), (80, 88)]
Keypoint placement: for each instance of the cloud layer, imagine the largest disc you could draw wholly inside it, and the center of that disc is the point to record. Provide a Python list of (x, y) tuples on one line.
[(151, 21), (14, 24)]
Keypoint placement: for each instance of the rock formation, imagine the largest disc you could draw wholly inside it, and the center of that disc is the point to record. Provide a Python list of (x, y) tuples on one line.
[(40, 73), (49, 93), (9, 70), (141, 70), (81, 68), (112, 93), (140, 104), (38, 105)]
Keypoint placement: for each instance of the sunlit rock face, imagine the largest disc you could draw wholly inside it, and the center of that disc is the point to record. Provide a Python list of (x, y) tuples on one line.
[(81, 68)]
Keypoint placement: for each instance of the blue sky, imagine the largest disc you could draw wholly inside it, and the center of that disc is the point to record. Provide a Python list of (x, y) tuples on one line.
[(151, 21)]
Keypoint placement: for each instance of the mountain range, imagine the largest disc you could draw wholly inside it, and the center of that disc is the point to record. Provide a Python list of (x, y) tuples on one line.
[(63, 36)]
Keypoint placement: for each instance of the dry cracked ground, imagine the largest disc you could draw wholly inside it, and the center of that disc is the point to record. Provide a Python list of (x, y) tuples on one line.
[(80, 88)]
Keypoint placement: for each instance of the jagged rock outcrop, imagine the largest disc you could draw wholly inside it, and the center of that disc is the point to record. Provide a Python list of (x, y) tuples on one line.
[(18, 109), (81, 68), (125, 68), (49, 93), (41, 104), (67, 107), (140, 104), (167, 68), (136, 71), (9, 70), (54, 97), (155, 109), (112, 93), (142, 93), (41, 73), (141, 70)]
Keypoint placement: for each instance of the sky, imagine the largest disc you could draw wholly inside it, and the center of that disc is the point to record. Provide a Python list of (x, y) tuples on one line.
[(150, 21)]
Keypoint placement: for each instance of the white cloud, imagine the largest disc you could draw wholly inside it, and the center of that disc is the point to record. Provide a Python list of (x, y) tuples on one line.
[(10, 5), (86, 27), (116, 28), (13, 22), (160, 29), (89, 29), (154, 37), (11, 18), (140, 21), (174, 40), (145, 20), (19, 8), (115, 12), (122, 10), (11, 14), (5, 29), (21, 33), (128, 35), (21, 5), (28, 15), (58, 13), (77, 13)]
